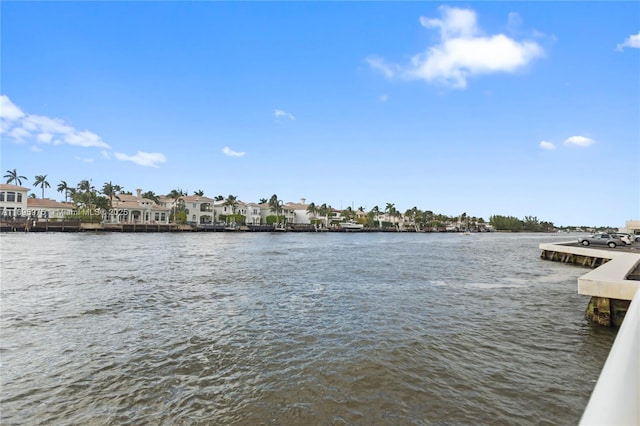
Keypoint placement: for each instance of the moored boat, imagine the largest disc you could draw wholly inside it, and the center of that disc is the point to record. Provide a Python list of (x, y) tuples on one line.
[(351, 226)]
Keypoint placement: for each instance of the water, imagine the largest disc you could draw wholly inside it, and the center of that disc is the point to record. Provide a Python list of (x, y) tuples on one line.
[(292, 329)]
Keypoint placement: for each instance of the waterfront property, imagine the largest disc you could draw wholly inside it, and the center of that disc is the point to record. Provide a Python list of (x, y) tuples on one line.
[(45, 208), (136, 209), (13, 200)]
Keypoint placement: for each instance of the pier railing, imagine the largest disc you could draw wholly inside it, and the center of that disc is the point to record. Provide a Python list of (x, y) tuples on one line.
[(615, 400)]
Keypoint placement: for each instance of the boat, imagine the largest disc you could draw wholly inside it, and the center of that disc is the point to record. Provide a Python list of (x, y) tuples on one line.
[(350, 225)]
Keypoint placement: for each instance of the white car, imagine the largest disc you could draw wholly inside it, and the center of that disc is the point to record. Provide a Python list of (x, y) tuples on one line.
[(626, 238)]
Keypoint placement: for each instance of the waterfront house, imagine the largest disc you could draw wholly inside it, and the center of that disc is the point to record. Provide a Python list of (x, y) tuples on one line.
[(253, 216), (129, 208), (200, 209), (13, 200), (45, 208), (296, 213)]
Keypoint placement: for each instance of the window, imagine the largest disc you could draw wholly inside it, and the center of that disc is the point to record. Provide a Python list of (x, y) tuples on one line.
[(19, 194), (11, 197), (194, 205), (1, 196)]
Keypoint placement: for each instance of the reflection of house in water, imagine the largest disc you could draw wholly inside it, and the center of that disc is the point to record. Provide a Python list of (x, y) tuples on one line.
[(136, 209)]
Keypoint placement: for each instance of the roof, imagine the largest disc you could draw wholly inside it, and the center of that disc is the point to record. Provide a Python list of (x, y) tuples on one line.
[(127, 201), (296, 206), (48, 203), (9, 187), (196, 198)]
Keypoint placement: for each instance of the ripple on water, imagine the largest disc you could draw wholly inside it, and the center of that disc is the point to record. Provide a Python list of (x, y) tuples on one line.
[(292, 329)]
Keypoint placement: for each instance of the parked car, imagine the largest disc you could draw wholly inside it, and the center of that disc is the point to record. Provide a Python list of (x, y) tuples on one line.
[(626, 238), (602, 238)]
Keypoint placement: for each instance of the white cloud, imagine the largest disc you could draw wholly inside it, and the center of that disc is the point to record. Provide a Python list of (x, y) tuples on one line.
[(105, 154), (8, 110), (19, 134), (383, 98), (580, 141), (44, 137), (36, 148), (547, 145), (147, 159), (633, 41), (280, 113), (85, 159), (21, 126), (231, 153), (378, 64), (463, 51)]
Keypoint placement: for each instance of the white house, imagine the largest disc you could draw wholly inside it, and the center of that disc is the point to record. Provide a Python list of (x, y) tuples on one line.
[(296, 213), (253, 214), (45, 208), (13, 200), (136, 209), (200, 209)]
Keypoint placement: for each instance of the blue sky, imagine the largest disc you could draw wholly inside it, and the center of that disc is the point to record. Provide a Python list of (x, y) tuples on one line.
[(509, 108)]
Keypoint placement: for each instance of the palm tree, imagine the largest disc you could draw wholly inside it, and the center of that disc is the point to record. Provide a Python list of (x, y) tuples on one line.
[(63, 187), (111, 191), (376, 211), (13, 176), (390, 210), (263, 201), (348, 213), (219, 198), (84, 194), (411, 214), (326, 211), (42, 181), (312, 210), (150, 195), (176, 195), (274, 206), (231, 201), (199, 193), (463, 221)]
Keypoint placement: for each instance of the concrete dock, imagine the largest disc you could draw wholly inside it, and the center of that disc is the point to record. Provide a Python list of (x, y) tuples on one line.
[(612, 282)]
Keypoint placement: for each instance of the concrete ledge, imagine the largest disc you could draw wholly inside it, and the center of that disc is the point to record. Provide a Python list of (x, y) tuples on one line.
[(608, 280)]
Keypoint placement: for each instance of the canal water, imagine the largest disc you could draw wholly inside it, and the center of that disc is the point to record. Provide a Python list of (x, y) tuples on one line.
[(292, 329)]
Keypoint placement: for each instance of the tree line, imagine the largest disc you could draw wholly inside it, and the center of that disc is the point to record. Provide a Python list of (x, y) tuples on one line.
[(85, 195)]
